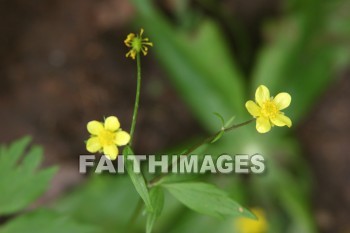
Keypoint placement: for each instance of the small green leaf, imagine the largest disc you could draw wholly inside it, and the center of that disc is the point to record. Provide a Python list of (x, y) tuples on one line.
[(229, 122), (157, 200), (137, 178), (221, 118), (218, 136), (207, 199)]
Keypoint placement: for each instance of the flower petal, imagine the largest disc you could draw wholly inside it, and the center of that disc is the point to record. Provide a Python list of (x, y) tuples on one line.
[(262, 94), (263, 125), (93, 145), (253, 108), (282, 100), (94, 127), (281, 120), (122, 138), (111, 152), (112, 123)]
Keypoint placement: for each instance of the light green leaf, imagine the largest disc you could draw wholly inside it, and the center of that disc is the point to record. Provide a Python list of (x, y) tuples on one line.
[(157, 200), (207, 199), (20, 183), (137, 178), (229, 122), (218, 136), (45, 221)]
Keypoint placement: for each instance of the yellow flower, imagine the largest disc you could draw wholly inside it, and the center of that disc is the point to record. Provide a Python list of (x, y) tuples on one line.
[(137, 44), (267, 111), (245, 225), (105, 137)]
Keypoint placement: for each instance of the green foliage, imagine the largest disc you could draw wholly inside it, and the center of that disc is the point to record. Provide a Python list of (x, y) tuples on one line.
[(157, 200), (104, 201), (45, 221), (207, 199), (20, 183), (303, 52), (137, 178)]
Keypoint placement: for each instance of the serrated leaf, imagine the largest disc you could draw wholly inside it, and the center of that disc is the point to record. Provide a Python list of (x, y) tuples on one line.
[(20, 184), (207, 199), (45, 221), (137, 178), (15, 151), (157, 200)]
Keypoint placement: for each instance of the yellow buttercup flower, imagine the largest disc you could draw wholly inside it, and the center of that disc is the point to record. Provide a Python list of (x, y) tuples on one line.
[(267, 110), (137, 44), (245, 225), (105, 137)]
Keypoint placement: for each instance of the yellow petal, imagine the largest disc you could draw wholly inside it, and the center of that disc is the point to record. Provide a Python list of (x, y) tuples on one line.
[(112, 123), (253, 108), (93, 145), (282, 100), (122, 138), (281, 120), (263, 125), (111, 152), (94, 127), (262, 94)]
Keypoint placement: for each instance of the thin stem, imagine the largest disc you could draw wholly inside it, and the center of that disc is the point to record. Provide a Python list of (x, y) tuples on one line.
[(137, 99), (196, 146)]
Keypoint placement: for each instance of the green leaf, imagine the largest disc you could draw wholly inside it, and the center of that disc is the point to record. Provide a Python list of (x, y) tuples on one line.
[(188, 58), (207, 199), (221, 118), (157, 200), (218, 136), (45, 221), (20, 183), (15, 151), (229, 122), (177, 178), (137, 178)]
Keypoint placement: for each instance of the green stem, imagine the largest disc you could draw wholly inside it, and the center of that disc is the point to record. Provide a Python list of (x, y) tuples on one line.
[(209, 139), (139, 206), (137, 99)]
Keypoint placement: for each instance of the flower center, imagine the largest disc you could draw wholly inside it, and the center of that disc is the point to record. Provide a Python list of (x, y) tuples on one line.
[(269, 109), (137, 44), (106, 137)]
